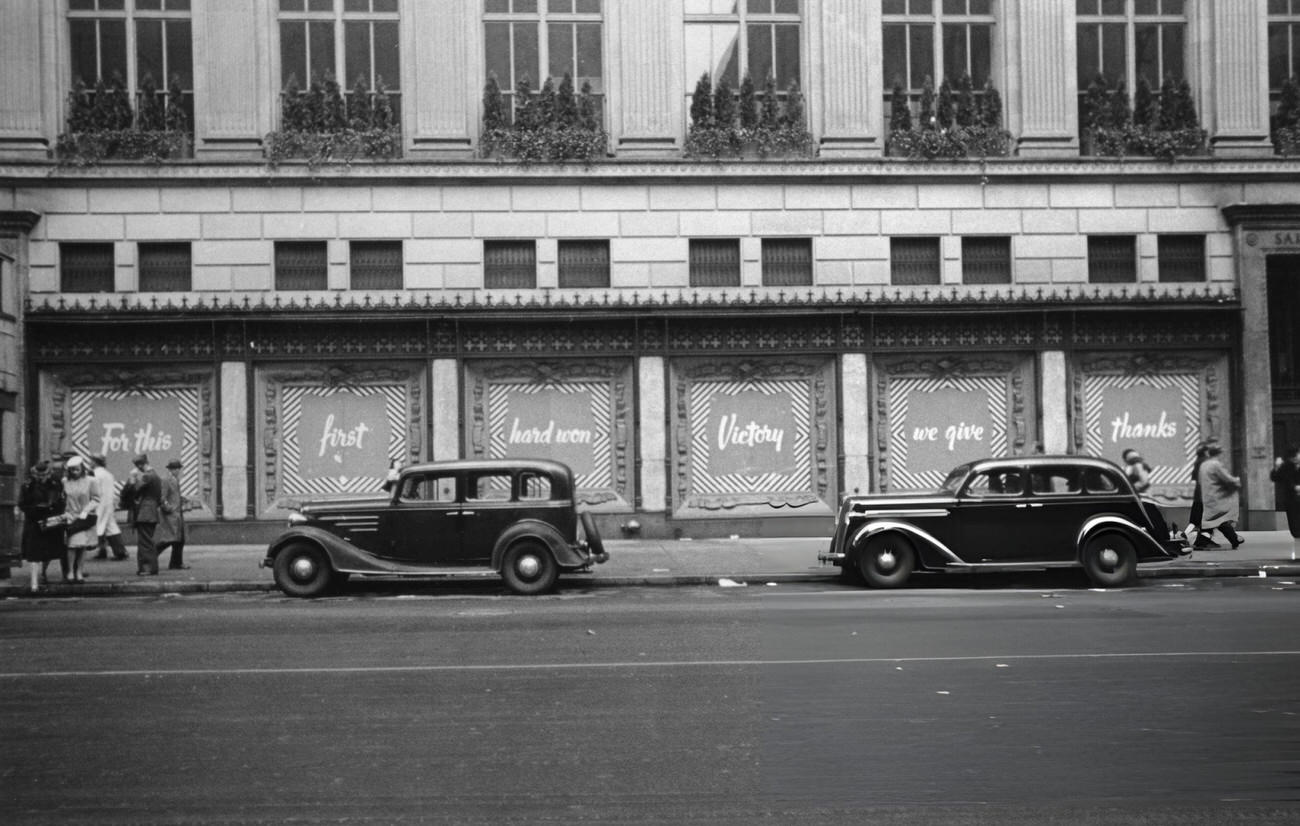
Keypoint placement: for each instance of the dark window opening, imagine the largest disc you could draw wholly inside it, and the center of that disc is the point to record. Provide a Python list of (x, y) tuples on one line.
[(914, 261), (1182, 257), (509, 265), (1112, 259), (986, 260), (787, 262), (584, 263), (715, 262), (301, 265), (165, 267), (86, 268), (376, 265)]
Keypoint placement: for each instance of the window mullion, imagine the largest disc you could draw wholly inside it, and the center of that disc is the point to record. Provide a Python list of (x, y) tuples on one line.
[(340, 51), (131, 80)]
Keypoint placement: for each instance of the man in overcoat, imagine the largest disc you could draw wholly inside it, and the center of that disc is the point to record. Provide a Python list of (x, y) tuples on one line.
[(171, 519), (145, 495)]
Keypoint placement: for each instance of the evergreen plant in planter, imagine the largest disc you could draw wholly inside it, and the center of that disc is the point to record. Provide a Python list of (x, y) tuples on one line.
[(953, 125), (321, 126), (106, 128), (1286, 123), (1163, 125), (727, 124), (556, 124)]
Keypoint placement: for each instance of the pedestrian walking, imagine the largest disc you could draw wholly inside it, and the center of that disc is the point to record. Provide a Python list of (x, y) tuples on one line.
[(171, 519), (1138, 471), (81, 507), (144, 491), (1286, 476), (1219, 496), (107, 530), (41, 501), (1194, 531)]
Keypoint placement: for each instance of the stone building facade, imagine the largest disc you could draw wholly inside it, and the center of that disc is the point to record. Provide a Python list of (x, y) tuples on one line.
[(715, 346)]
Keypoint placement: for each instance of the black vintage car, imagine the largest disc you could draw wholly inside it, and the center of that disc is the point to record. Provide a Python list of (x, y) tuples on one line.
[(514, 517), (1027, 512)]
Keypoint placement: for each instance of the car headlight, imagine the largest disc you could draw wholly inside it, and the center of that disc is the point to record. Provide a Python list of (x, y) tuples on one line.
[(296, 518)]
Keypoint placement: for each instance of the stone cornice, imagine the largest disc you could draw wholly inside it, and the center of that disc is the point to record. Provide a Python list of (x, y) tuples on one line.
[(18, 220), (1286, 214), (674, 170)]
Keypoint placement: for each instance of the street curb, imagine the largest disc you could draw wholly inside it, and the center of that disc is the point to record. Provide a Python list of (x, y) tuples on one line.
[(110, 589)]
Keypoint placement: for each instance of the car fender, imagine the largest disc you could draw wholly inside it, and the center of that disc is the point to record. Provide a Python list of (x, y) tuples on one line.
[(566, 556), (342, 555), (1110, 521), (920, 538)]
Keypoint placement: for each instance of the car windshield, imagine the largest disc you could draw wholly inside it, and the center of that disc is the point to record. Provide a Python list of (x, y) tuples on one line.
[(954, 480)]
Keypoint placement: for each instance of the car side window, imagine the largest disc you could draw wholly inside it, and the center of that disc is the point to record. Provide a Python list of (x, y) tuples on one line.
[(1096, 480), (429, 489), (1055, 480), (994, 483), (534, 486), (489, 487)]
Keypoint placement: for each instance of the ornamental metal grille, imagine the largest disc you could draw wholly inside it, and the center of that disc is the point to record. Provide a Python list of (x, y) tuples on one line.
[(787, 262), (1182, 257), (715, 262), (86, 268), (1112, 259), (165, 268), (509, 265), (301, 265), (914, 261), (986, 260), (376, 265), (584, 263)]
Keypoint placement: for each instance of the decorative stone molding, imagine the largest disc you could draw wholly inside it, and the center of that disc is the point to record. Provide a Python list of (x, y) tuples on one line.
[(68, 401), (405, 415), (608, 386), (806, 488), (1003, 380)]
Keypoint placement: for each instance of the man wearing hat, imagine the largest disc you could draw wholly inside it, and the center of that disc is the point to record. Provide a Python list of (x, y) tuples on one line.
[(106, 527), (144, 489), (171, 520)]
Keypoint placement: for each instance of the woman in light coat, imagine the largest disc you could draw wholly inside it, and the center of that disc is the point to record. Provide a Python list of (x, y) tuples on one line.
[(1219, 492), (81, 500)]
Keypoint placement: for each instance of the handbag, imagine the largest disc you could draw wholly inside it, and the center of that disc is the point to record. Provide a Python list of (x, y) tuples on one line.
[(82, 523)]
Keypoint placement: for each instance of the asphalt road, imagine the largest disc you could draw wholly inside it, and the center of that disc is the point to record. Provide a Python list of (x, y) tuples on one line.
[(1171, 703)]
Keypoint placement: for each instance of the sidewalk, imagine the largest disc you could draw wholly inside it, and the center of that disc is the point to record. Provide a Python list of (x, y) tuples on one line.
[(232, 568)]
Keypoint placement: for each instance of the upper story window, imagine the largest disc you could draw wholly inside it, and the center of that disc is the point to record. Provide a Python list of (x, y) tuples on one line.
[(1181, 257), (915, 261), (936, 39), (164, 267), (1283, 44), (354, 41), (543, 39), (135, 43), (86, 268), (715, 262), (730, 39), (301, 265), (509, 265), (376, 265), (583, 263), (1130, 41), (1112, 259), (986, 259), (787, 262)]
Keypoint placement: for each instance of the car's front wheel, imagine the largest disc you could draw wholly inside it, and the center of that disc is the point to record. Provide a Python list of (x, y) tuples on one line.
[(1110, 560), (886, 561), (302, 570), (529, 568)]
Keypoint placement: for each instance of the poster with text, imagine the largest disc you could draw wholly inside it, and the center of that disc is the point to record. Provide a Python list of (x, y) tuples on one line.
[(566, 421), (341, 439), (750, 437), (937, 424), (1158, 415), (162, 424)]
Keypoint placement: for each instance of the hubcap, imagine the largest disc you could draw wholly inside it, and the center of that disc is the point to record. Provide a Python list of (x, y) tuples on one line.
[(1109, 557), (302, 568), (886, 560), (528, 566)]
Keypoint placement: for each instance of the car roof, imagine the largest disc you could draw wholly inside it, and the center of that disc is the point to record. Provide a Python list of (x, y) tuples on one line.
[(1040, 460), (544, 465)]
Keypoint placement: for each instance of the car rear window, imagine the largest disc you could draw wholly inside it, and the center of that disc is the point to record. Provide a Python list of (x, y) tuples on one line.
[(489, 487), (1096, 480), (534, 486), (429, 489)]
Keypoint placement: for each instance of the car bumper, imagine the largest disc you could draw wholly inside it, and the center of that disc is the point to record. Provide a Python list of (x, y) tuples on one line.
[(831, 558)]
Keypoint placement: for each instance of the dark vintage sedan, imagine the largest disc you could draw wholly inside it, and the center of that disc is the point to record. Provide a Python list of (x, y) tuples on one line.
[(517, 518), (1028, 512)]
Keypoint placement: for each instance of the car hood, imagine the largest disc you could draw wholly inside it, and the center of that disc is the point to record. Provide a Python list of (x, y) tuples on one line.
[(350, 503)]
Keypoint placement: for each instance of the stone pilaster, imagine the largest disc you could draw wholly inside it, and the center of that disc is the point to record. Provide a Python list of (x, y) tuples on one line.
[(1043, 32), (647, 109), (652, 448), (851, 102), (442, 47), (855, 425), (1239, 37), (26, 75), (233, 76), (234, 440), (1055, 403), (444, 403)]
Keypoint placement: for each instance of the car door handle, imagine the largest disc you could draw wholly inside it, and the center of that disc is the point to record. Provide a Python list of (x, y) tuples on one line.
[(1021, 505), (465, 513), (1035, 504)]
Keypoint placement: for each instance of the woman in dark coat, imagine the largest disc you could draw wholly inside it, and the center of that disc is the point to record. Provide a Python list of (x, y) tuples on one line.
[(1286, 476), (41, 497)]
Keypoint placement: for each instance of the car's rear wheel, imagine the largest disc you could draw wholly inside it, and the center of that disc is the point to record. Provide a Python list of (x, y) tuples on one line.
[(886, 561), (529, 568), (1110, 560), (302, 570)]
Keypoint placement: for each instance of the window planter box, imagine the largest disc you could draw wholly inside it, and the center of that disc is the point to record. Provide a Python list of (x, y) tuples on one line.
[(950, 144), (89, 148), (1142, 142), (342, 146)]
